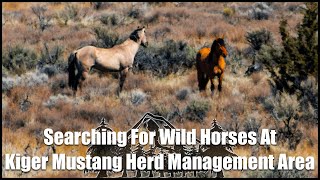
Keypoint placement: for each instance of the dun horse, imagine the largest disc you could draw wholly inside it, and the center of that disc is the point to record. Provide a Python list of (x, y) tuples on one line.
[(116, 59), (211, 63)]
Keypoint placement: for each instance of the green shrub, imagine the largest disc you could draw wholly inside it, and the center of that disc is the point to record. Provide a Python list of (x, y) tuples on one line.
[(197, 110), (70, 12), (260, 11), (228, 12), (51, 60), (258, 38), (171, 57), (18, 59), (112, 20), (105, 38), (183, 94), (42, 15), (285, 110), (136, 13), (291, 64), (138, 97), (160, 109)]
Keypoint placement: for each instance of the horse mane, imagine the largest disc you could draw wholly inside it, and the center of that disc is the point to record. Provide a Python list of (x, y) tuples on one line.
[(214, 44), (211, 50), (134, 34)]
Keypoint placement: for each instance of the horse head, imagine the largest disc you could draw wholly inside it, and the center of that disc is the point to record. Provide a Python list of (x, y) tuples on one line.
[(139, 36), (218, 47)]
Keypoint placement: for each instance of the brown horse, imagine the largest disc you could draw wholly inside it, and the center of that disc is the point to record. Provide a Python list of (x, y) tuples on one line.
[(211, 63), (116, 59)]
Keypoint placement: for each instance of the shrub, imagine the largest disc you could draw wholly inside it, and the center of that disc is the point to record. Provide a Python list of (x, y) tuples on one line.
[(161, 32), (228, 12), (44, 19), (29, 79), (49, 70), (258, 38), (285, 109), (105, 38), (113, 19), (298, 57), (53, 100), (51, 61), (136, 13), (309, 99), (18, 59), (197, 110), (252, 125), (137, 97), (172, 57), (260, 11), (100, 5), (70, 12), (183, 94), (7, 83), (161, 110)]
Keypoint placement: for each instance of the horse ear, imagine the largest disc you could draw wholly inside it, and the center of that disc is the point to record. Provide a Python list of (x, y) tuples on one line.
[(222, 37), (138, 27)]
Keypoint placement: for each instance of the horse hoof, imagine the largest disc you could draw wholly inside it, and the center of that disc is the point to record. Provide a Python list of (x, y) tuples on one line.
[(220, 88)]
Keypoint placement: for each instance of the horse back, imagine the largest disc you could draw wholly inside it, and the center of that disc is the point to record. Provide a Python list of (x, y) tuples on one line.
[(203, 54)]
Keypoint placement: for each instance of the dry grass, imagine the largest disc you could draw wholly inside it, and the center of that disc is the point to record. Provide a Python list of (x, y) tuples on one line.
[(237, 107)]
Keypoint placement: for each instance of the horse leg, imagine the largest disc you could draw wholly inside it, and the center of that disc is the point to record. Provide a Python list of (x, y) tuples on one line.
[(212, 84), (220, 82), (200, 80), (205, 82), (76, 83), (123, 75), (83, 77)]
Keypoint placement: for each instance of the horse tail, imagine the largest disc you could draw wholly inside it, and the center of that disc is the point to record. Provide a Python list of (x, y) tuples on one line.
[(71, 68)]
